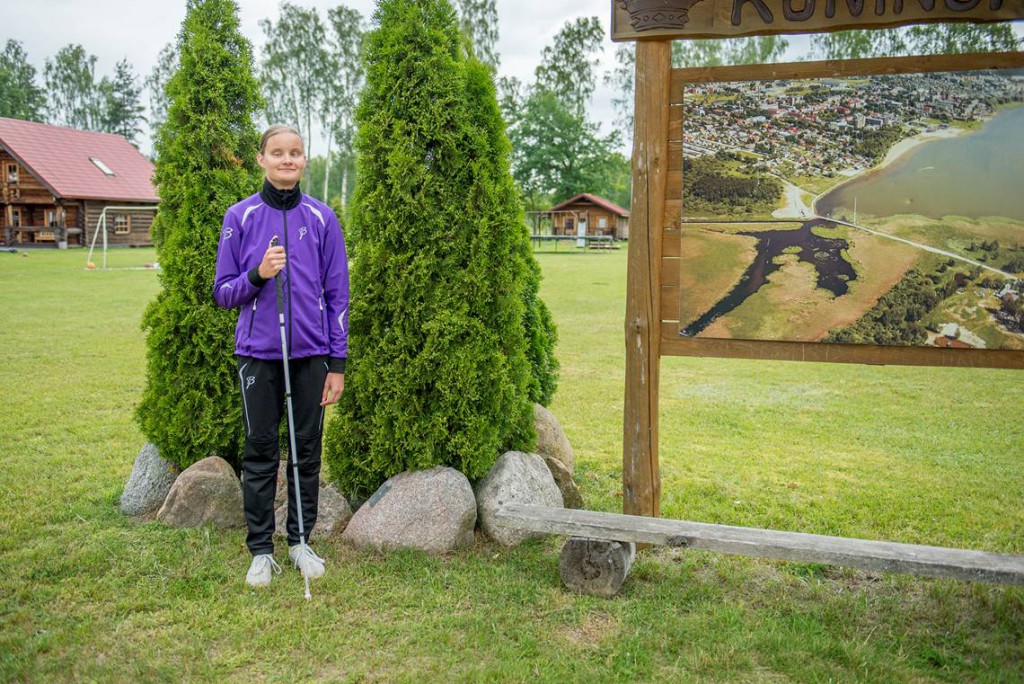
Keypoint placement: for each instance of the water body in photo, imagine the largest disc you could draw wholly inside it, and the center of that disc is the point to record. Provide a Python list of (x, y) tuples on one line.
[(974, 175), (826, 255)]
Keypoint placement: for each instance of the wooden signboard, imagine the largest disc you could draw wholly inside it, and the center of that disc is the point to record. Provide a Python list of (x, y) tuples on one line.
[(680, 19), (656, 305)]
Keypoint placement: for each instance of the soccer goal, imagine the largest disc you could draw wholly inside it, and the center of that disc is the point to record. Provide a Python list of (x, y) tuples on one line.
[(101, 228)]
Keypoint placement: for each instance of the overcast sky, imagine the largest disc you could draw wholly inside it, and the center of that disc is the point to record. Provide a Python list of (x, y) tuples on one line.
[(139, 29)]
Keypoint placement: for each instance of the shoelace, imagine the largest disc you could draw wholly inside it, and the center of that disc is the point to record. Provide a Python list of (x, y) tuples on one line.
[(306, 552), (261, 564)]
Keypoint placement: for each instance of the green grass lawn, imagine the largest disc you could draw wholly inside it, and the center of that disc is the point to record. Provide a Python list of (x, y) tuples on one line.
[(904, 454)]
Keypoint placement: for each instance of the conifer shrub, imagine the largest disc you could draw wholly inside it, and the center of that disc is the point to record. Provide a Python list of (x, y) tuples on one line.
[(205, 163), (539, 327), (438, 372)]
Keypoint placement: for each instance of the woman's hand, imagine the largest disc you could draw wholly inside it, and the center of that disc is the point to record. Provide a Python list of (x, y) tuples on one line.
[(334, 385), (274, 260)]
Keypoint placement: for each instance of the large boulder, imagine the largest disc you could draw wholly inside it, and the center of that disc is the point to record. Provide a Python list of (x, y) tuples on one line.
[(207, 492), (516, 477), (332, 512), (149, 482), (432, 510), (571, 497), (551, 439)]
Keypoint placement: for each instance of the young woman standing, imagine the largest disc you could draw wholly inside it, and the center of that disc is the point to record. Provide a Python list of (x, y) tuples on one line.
[(309, 258)]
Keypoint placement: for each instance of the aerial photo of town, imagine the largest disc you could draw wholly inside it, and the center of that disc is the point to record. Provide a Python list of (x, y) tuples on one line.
[(862, 210)]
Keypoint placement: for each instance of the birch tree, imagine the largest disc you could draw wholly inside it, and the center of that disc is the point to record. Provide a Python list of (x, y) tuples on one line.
[(71, 88), (343, 80), (294, 68), (156, 83), (568, 66), (479, 22)]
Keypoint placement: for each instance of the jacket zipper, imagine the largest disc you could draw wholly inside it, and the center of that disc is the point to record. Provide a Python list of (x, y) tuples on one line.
[(252, 318), (320, 301), (288, 280)]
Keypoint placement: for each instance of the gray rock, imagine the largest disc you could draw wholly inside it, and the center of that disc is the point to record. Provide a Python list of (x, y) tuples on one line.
[(149, 482), (571, 497), (332, 512), (207, 492), (432, 510), (515, 478), (551, 439)]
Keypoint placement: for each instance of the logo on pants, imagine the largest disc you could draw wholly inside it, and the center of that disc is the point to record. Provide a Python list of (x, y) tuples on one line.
[(250, 381)]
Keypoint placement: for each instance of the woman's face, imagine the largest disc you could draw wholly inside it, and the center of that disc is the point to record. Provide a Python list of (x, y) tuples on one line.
[(283, 160)]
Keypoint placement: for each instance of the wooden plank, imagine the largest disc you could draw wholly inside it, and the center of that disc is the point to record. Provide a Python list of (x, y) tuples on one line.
[(675, 158), (671, 241), (674, 345), (674, 207), (931, 561), (681, 78), (670, 276), (673, 193), (669, 305), (842, 67), (690, 19), (641, 481), (675, 123)]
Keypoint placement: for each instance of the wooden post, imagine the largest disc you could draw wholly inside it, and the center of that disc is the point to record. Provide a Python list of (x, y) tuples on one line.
[(641, 480), (597, 567)]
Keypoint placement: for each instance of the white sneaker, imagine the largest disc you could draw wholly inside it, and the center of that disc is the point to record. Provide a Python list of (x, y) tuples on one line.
[(308, 563), (262, 569)]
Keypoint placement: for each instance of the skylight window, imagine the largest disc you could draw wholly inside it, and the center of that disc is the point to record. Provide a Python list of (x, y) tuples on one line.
[(101, 166)]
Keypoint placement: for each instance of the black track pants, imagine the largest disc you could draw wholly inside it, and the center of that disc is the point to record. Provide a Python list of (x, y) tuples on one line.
[(263, 409)]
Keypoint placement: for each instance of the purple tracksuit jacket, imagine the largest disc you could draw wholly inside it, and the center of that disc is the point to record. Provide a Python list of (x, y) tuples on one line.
[(315, 280)]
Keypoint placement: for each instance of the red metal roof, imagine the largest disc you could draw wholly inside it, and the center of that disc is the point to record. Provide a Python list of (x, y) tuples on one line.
[(593, 199), (61, 159)]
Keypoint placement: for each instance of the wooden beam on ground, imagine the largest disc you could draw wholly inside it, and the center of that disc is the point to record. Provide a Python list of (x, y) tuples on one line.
[(930, 561), (640, 479)]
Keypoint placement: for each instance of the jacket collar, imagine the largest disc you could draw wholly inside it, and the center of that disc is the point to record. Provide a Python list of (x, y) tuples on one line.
[(281, 199)]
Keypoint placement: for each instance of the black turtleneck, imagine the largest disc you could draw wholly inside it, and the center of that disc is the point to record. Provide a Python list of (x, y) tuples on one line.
[(275, 198), (281, 199)]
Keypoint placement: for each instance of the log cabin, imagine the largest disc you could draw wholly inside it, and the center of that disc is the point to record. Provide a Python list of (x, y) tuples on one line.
[(55, 183), (600, 216)]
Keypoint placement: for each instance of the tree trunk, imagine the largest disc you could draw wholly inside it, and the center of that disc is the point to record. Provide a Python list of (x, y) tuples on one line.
[(327, 169), (344, 184)]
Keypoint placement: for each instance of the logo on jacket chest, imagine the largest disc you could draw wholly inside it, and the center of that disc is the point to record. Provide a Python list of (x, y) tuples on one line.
[(302, 232)]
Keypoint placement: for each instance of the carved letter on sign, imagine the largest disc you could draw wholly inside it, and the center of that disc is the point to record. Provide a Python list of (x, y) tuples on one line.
[(762, 9)]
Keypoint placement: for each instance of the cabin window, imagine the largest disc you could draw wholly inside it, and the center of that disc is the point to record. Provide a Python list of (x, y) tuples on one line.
[(16, 217), (51, 218), (602, 222), (122, 224), (12, 174)]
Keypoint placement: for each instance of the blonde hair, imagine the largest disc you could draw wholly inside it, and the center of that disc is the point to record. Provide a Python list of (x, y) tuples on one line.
[(275, 130)]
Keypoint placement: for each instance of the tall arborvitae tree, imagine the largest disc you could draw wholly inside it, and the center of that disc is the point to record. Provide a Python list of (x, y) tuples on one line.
[(506, 215), (205, 163), (438, 372)]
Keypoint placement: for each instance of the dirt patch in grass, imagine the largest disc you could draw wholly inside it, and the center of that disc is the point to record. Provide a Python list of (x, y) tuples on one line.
[(593, 630)]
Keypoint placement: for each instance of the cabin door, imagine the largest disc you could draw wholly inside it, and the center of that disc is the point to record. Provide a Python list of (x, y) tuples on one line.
[(581, 233)]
